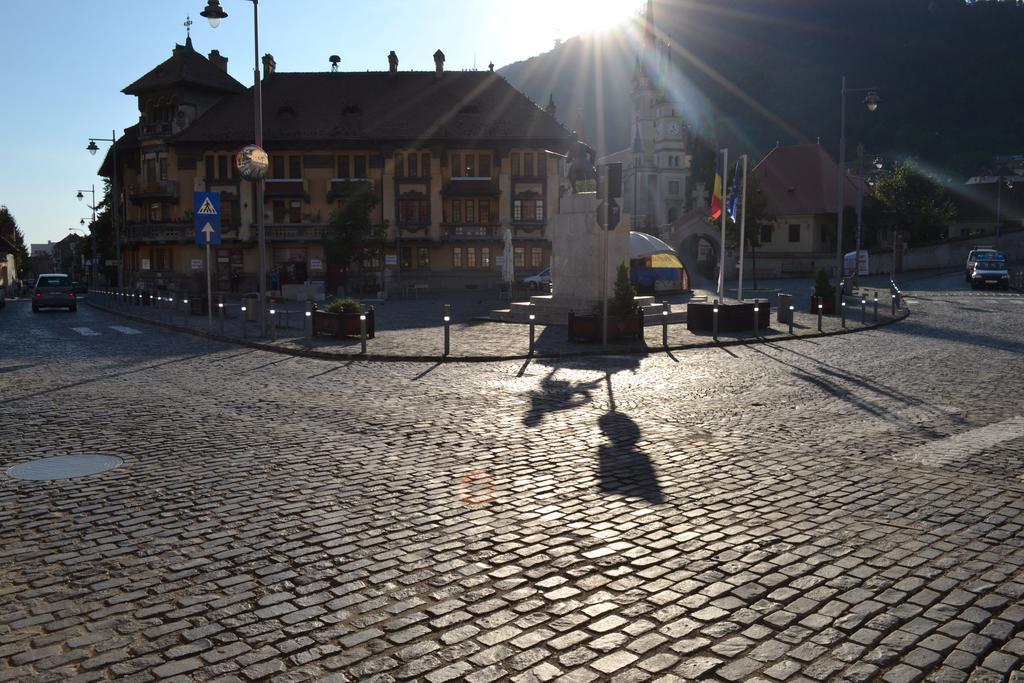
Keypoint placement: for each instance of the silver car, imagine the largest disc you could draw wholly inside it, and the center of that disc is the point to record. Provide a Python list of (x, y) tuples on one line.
[(54, 290)]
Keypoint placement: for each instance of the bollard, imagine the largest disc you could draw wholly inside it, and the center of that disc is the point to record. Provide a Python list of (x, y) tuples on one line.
[(273, 324), (310, 306), (714, 321), (447, 333), (876, 307), (362, 332), (892, 300), (170, 310), (756, 309), (533, 319), (243, 321), (819, 317), (184, 318), (220, 313), (863, 311), (791, 319), (664, 324), (842, 312)]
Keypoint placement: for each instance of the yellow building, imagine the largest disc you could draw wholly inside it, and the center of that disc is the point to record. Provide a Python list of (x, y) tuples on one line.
[(455, 159)]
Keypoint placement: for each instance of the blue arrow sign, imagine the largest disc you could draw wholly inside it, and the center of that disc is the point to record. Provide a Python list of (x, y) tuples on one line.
[(207, 214)]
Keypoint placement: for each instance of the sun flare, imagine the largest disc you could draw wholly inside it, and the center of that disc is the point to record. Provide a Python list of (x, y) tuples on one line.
[(573, 17)]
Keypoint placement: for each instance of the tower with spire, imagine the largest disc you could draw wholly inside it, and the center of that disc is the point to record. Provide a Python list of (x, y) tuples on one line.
[(657, 167)]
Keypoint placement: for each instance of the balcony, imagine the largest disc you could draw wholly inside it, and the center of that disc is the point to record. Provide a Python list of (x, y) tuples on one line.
[(161, 233), (295, 232), (162, 190), (340, 188), (470, 232), (285, 187), (524, 228), (471, 187)]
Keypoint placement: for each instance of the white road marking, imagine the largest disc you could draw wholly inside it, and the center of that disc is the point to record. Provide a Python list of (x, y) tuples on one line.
[(86, 332), (962, 446), (125, 330)]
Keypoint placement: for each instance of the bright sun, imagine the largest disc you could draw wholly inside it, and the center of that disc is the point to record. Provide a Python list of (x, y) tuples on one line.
[(573, 17)]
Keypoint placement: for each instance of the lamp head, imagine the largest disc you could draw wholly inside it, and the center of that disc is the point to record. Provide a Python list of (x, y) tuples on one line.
[(92, 147), (872, 101), (214, 13), (80, 195), (81, 222)]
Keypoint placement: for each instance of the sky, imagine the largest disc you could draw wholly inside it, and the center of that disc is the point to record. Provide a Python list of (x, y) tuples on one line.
[(63, 64)]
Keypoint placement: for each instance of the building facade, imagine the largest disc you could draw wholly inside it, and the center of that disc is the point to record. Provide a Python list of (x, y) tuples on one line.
[(452, 158)]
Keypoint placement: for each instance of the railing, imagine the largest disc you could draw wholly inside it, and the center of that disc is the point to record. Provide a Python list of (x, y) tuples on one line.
[(160, 232), (167, 189), (285, 187), (470, 232), (296, 231), (339, 188)]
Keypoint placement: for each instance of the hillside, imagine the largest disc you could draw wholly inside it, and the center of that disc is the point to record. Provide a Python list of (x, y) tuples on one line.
[(751, 73)]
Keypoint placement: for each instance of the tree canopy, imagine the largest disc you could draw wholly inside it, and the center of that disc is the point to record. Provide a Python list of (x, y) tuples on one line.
[(351, 236), (914, 204)]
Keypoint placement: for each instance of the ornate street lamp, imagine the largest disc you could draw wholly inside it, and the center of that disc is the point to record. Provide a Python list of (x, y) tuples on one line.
[(92, 230), (115, 209)]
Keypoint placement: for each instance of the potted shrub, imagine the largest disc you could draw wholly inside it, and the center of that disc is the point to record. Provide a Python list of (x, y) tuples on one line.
[(824, 293), (340, 318), (625, 319)]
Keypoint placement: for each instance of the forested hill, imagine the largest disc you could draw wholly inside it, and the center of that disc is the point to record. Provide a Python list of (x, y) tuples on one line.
[(755, 72)]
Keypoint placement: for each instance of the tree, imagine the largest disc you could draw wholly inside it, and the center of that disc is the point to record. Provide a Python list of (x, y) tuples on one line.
[(351, 237), (914, 204), (9, 228)]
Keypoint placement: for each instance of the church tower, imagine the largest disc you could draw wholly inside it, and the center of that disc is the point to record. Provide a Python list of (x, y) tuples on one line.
[(659, 170)]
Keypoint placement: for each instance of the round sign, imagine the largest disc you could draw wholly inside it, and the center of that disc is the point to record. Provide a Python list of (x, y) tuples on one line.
[(252, 162)]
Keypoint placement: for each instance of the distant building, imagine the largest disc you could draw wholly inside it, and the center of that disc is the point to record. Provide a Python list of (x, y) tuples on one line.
[(455, 159), (656, 168)]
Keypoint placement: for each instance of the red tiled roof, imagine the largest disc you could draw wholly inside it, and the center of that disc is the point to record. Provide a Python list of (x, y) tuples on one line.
[(360, 107), (185, 65), (801, 179)]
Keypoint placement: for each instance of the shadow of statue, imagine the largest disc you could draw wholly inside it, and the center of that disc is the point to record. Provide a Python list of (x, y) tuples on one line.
[(624, 469), (555, 395)]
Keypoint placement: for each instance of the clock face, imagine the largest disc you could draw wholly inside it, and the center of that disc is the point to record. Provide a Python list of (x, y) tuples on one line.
[(673, 128)]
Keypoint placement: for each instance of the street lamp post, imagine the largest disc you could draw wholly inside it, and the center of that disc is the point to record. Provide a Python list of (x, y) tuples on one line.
[(92, 231), (214, 13), (871, 101), (115, 210), (1000, 179)]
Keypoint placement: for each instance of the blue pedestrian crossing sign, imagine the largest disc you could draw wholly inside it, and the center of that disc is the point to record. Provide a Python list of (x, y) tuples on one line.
[(207, 213)]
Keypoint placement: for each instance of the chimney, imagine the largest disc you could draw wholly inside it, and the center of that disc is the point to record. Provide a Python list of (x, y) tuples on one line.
[(269, 65), (392, 63), (438, 64), (218, 61)]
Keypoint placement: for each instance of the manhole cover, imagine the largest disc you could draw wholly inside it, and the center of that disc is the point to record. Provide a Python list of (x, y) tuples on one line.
[(64, 467)]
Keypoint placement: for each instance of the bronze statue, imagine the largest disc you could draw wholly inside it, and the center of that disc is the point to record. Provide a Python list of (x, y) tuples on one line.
[(581, 161)]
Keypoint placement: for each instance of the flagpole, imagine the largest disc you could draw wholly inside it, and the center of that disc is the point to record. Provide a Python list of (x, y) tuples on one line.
[(725, 215), (743, 227)]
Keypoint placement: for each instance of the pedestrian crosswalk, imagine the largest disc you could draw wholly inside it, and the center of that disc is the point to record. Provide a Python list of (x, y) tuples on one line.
[(89, 332)]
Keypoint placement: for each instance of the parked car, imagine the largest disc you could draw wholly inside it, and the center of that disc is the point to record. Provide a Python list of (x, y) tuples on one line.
[(980, 253), (54, 290), (541, 280), (992, 273)]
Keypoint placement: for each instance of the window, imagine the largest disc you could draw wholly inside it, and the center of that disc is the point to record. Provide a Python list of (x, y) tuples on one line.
[(541, 165), (515, 163), (535, 257), (413, 211), (277, 166), (163, 168), (673, 187), (222, 167), (794, 232), (485, 212), (456, 257), (287, 212), (156, 213), (161, 258), (209, 168), (517, 209), (470, 165), (538, 210), (766, 234), (485, 165), (294, 166), (399, 164), (413, 163), (456, 211), (470, 257), (277, 209), (470, 213), (485, 257), (519, 256), (528, 164), (343, 167), (425, 164), (456, 165), (359, 166), (406, 257), (423, 257)]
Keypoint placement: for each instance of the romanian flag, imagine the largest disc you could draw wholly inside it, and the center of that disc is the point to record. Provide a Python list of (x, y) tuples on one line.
[(716, 196)]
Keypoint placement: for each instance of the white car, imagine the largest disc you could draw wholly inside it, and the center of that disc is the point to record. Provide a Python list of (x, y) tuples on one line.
[(541, 280)]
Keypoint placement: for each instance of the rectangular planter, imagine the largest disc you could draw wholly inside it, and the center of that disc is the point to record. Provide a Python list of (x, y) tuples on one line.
[(341, 324), (588, 327), (737, 317)]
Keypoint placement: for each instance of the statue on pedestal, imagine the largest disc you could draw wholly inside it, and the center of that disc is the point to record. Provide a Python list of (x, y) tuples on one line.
[(581, 162)]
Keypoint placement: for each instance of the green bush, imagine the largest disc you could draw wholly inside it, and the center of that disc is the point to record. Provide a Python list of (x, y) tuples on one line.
[(621, 302), (344, 306)]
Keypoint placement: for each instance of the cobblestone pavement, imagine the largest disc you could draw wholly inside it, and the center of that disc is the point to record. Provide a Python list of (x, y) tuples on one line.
[(836, 508)]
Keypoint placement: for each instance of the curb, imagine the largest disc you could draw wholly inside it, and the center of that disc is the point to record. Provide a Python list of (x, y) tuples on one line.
[(419, 358)]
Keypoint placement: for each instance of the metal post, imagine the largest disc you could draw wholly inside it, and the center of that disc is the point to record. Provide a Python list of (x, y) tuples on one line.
[(791, 319), (664, 324), (714, 321), (261, 232), (447, 331), (309, 321), (273, 325), (756, 309), (743, 229), (244, 316), (842, 183), (220, 309), (533, 319), (876, 307), (863, 311), (721, 256), (604, 271), (819, 317), (892, 298), (362, 332), (184, 318), (842, 312), (209, 289)]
